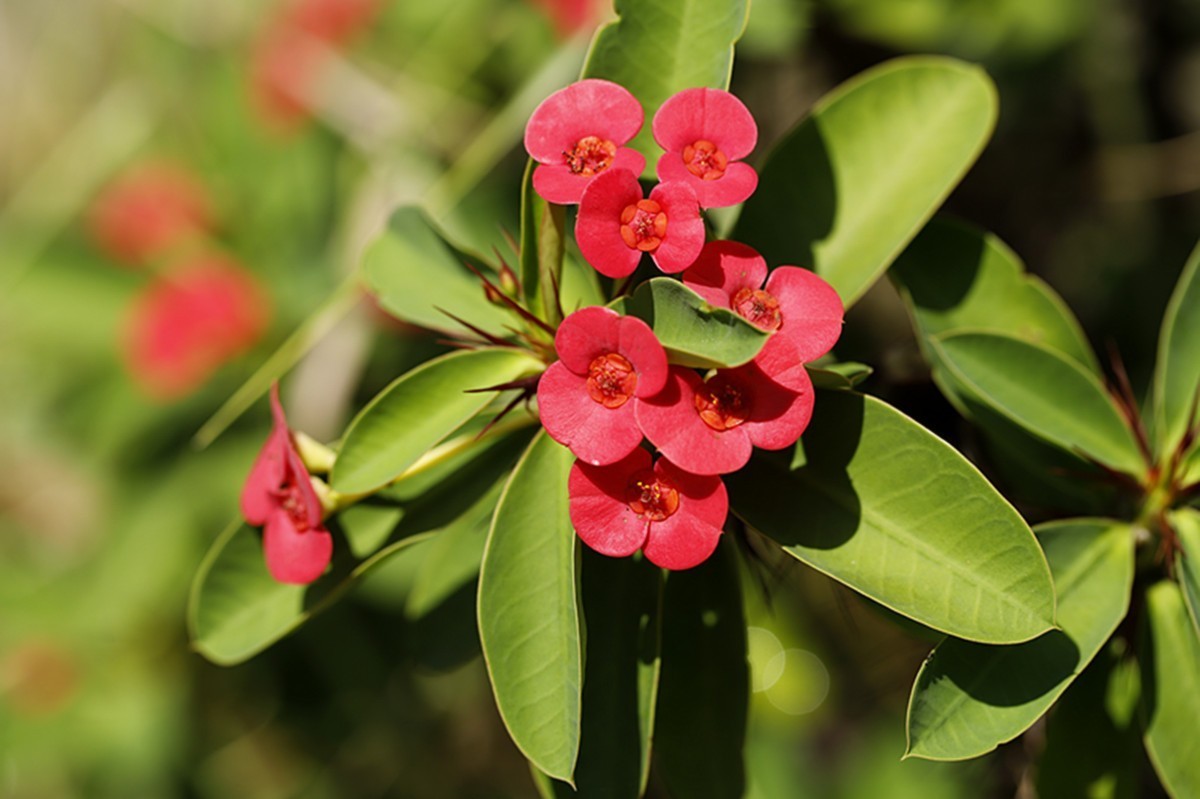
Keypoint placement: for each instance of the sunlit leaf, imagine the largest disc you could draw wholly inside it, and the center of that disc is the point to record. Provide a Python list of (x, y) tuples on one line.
[(418, 410), (847, 189), (541, 251), (841, 376), (1186, 522), (889, 509), (1169, 654), (528, 611), (969, 698), (1177, 373)]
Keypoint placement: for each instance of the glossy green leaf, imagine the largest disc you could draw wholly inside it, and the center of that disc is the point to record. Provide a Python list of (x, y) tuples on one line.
[(849, 187), (969, 698), (528, 611), (702, 697), (414, 272), (1045, 393), (659, 47), (236, 609), (418, 410), (1177, 373), (1099, 708), (693, 332), (1186, 522), (840, 376), (541, 251), (622, 601), (1170, 657), (889, 509), (954, 277)]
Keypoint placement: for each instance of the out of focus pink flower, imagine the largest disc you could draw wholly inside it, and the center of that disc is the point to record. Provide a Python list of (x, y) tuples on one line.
[(147, 211), (570, 16), (190, 321)]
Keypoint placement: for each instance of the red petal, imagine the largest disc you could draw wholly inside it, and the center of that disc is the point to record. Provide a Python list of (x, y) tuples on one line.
[(685, 227), (669, 419), (587, 108), (265, 478), (598, 224), (735, 186), (812, 310), (710, 114), (689, 536), (293, 556), (556, 183), (782, 402), (596, 434), (724, 268), (599, 512), (649, 359), (587, 334)]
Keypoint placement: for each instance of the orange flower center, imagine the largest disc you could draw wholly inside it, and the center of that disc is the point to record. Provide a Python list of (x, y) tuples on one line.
[(590, 155), (611, 380), (704, 160), (722, 405), (759, 308), (650, 496), (643, 225)]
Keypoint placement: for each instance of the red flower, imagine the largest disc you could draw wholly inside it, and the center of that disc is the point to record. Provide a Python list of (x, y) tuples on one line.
[(577, 133), (570, 16), (616, 225), (705, 133), (189, 322), (148, 211), (279, 496), (674, 517), (795, 303), (584, 398), (710, 427)]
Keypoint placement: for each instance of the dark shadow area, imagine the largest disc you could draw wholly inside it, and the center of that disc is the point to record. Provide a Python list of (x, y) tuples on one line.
[(940, 266), (1010, 675), (447, 636)]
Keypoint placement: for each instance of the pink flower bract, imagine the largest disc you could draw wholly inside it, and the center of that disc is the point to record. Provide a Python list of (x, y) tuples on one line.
[(146, 212), (616, 225), (674, 517), (710, 427), (279, 496), (795, 303), (706, 133), (586, 398), (578, 133)]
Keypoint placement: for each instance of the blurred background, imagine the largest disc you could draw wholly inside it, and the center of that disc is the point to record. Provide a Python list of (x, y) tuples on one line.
[(185, 187)]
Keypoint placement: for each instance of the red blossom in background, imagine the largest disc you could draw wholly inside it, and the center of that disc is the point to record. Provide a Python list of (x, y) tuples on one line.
[(278, 496), (584, 399), (570, 16), (616, 225), (674, 517), (795, 303), (710, 427), (705, 133), (190, 321), (147, 211), (578, 133)]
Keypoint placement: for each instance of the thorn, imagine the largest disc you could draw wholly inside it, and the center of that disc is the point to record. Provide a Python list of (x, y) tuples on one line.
[(1128, 403), (511, 303), (487, 337), (557, 295), (523, 383), (504, 412), (511, 241)]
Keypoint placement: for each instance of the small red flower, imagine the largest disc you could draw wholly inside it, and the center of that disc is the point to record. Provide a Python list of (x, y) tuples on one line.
[(710, 427), (147, 211), (577, 133), (673, 516), (570, 16), (615, 225), (705, 133), (279, 497), (795, 303), (189, 322), (584, 399)]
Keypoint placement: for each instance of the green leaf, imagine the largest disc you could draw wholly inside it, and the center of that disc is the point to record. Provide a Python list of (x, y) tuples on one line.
[(702, 697), (889, 509), (1099, 708), (849, 187), (1045, 393), (418, 410), (839, 376), (954, 277), (413, 272), (659, 47), (693, 332), (580, 285), (367, 525), (969, 698), (541, 250), (236, 609), (1177, 373), (622, 600), (1170, 658), (1186, 522), (528, 614)]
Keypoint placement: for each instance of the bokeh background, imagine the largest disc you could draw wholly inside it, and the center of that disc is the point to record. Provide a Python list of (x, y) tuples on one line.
[(185, 188)]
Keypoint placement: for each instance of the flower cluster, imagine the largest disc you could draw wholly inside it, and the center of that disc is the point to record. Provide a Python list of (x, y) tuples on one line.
[(613, 387)]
